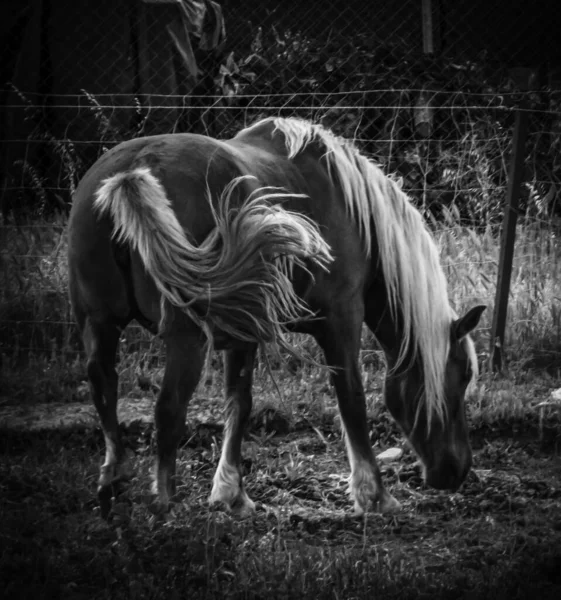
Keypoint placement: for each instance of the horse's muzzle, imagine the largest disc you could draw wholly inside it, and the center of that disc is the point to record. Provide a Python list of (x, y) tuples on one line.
[(448, 474)]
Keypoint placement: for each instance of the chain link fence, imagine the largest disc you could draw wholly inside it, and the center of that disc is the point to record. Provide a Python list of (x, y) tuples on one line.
[(427, 88)]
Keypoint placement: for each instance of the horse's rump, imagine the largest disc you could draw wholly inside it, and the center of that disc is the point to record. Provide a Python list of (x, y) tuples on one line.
[(236, 279)]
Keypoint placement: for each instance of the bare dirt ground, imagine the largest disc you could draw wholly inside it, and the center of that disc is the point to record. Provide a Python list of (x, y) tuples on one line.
[(498, 537)]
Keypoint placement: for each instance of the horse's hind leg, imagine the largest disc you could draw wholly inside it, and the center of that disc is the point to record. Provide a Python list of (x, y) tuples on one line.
[(339, 338), (101, 341), (185, 348), (227, 487)]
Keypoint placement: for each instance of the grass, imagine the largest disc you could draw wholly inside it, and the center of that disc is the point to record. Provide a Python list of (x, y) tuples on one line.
[(470, 259), (497, 537), (42, 358)]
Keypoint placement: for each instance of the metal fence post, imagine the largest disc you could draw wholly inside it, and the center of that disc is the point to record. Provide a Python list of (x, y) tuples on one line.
[(431, 27), (524, 78)]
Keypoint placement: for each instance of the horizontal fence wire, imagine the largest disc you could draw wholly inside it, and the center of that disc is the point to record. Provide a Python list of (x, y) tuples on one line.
[(441, 121)]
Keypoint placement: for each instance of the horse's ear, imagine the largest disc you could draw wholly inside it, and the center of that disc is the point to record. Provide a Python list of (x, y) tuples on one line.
[(462, 326)]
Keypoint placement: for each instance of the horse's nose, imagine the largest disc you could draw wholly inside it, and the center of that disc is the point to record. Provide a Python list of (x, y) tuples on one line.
[(448, 474)]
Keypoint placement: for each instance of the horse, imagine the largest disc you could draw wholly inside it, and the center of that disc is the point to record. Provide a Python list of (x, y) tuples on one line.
[(231, 244)]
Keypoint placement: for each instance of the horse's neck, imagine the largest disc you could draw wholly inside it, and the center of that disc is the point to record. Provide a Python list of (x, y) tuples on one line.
[(387, 326)]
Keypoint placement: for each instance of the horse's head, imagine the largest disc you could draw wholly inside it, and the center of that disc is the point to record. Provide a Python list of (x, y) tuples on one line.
[(440, 440)]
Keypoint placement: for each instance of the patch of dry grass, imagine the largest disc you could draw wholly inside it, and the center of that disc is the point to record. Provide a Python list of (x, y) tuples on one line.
[(498, 537), (471, 258), (42, 358)]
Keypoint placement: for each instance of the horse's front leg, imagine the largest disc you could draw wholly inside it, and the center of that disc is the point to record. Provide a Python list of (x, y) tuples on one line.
[(339, 338), (185, 354), (227, 488)]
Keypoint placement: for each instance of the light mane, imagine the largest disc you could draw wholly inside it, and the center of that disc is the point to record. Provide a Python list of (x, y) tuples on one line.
[(408, 254)]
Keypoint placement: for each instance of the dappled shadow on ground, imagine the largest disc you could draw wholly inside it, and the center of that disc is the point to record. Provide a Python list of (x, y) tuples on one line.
[(499, 536)]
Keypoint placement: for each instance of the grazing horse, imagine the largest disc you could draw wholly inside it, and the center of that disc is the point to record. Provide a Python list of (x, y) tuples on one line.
[(231, 243)]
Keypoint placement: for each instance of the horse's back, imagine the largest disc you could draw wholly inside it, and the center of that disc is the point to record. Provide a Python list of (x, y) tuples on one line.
[(185, 164), (264, 149)]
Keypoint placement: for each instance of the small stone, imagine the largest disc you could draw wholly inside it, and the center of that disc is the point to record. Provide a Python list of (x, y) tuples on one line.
[(390, 455)]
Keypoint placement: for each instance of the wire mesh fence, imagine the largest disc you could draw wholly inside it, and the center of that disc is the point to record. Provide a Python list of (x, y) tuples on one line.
[(425, 88)]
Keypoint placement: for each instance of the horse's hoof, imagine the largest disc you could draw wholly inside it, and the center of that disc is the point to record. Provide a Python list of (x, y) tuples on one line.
[(120, 487), (115, 473), (241, 507), (160, 512), (121, 512), (388, 504), (104, 496), (159, 508)]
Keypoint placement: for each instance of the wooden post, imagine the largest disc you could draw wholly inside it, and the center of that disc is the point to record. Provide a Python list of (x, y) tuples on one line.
[(524, 78)]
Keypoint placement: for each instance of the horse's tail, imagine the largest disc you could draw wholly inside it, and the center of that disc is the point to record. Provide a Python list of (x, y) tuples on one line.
[(238, 280)]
